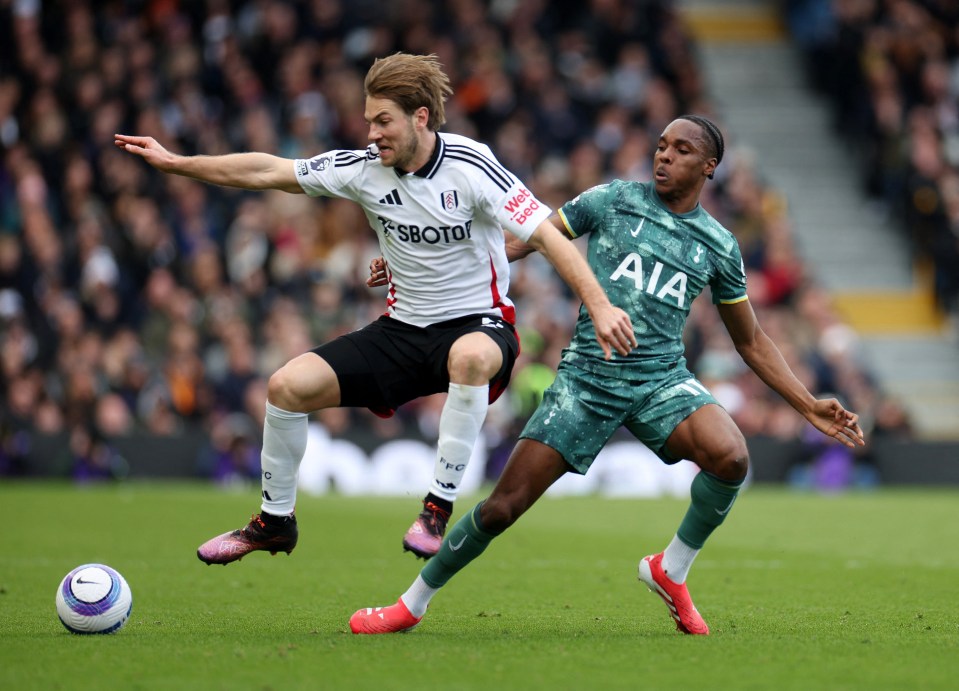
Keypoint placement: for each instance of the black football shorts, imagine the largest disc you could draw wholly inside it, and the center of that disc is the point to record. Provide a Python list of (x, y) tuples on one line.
[(388, 362)]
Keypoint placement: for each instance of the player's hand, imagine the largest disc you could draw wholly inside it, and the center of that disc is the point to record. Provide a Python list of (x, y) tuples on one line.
[(614, 331), (830, 418), (377, 273), (147, 148)]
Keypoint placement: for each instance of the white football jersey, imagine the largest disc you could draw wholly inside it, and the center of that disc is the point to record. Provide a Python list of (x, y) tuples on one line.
[(439, 228)]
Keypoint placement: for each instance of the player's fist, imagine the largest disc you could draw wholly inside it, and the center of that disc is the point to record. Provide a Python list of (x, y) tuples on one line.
[(377, 273)]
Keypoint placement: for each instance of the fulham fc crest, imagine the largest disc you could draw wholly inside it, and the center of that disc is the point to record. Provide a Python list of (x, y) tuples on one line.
[(450, 200)]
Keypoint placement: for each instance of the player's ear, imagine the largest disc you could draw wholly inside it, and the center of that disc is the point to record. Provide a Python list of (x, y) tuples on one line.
[(709, 167), (421, 116)]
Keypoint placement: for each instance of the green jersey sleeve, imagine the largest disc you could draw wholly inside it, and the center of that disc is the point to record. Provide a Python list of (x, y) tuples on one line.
[(728, 283), (584, 214)]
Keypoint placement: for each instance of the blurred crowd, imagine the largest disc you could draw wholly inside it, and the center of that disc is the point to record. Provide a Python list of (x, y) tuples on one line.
[(891, 70), (132, 302)]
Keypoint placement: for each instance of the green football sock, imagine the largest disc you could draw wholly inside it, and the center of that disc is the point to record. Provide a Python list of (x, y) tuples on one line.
[(712, 499), (465, 541)]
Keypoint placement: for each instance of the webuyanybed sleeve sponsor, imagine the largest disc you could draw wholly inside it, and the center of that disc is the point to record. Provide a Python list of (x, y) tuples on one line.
[(521, 212)]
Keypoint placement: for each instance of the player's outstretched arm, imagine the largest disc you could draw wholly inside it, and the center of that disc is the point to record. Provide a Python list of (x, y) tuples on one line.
[(252, 171), (764, 358), (614, 330)]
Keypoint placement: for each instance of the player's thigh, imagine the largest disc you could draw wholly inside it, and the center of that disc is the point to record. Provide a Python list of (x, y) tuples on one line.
[(669, 420), (579, 413), (382, 366), (304, 384), (710, 438)]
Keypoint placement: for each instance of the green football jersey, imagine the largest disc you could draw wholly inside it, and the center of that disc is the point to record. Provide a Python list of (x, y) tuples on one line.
[(652, 263)]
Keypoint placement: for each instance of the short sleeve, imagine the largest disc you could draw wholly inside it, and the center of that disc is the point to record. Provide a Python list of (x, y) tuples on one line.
[(330, 174), (520, 211), (729, 283), (585, 213)]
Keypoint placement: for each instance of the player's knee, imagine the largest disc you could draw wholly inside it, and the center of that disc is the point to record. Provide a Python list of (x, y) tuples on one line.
[(732, 464), (473, 365), (281, 392), (728, 459), (736, 468)]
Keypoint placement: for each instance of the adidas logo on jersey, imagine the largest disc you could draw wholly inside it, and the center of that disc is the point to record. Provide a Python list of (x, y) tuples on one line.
[(392, 199)]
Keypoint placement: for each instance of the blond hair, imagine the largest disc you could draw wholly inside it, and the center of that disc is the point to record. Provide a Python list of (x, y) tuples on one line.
[(412, 82)]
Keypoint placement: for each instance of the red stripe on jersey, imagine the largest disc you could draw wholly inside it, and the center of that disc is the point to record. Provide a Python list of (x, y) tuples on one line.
[(391, 293), (508, 311)]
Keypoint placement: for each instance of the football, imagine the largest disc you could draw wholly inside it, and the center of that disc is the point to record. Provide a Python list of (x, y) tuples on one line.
[(93, 598)]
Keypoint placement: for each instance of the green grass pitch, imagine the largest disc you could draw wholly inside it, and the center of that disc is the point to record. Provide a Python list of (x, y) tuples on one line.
[(802, 591)]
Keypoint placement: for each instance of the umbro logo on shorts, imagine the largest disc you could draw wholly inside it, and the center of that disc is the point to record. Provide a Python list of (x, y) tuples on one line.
[(392, 199)]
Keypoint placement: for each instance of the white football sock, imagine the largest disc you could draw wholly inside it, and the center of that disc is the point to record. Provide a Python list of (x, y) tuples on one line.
[(284, 443), (418, 597), (460, 423), (677, 559)]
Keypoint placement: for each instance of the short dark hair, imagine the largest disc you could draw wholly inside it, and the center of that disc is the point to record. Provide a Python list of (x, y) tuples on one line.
[(713, 135)]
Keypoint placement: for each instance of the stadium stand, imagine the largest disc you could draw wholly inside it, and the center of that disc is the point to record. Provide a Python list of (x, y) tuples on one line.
[(890, 71), (137, 304)]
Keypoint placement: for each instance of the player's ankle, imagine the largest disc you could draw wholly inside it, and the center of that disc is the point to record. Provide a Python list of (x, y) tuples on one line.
[(440, 503)]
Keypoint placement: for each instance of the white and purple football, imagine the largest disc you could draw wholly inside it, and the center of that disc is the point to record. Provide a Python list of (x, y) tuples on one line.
[(93, 598)]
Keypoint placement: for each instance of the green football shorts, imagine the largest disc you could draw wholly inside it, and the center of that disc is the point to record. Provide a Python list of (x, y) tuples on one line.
[(581, 410)]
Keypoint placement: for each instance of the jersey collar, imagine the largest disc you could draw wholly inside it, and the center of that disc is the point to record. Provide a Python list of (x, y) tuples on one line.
[(429, 168)]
